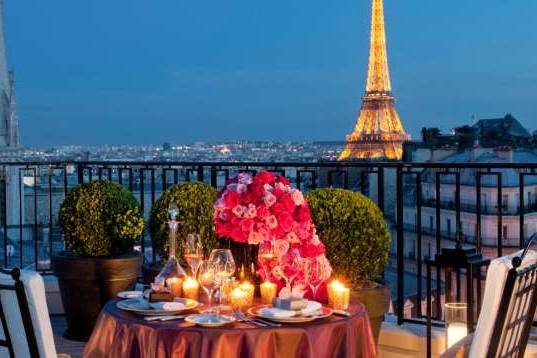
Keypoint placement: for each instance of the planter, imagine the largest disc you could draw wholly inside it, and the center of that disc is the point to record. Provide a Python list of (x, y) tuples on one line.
[(376, 300), (86, 284), (150, 270)]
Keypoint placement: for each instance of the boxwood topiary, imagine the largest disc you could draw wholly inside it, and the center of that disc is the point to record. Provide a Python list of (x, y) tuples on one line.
[(354, 231), (195, 201), (100, 219)]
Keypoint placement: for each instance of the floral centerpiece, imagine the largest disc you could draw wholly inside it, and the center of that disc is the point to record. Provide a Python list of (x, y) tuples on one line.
[(265, 209)]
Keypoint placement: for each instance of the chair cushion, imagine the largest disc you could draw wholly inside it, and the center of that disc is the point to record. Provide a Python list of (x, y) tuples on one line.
[(35, 293), (496, 277)]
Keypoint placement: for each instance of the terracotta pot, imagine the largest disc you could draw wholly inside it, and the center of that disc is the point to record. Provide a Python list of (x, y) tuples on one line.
[(377, 302), (86, 284)]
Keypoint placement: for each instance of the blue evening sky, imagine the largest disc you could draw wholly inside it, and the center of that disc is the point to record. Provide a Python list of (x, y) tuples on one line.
[(140, 71)]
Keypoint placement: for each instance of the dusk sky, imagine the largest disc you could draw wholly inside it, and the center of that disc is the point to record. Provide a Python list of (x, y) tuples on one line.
[(141, 72)]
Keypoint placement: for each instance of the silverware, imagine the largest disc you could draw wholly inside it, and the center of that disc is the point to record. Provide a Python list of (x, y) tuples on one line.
[(162, 318), (267, 322), (242, 318)]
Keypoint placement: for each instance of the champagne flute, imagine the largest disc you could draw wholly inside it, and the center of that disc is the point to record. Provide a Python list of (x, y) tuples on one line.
[(267, 258), (315, 273), (193, 252), (207, 280), (224, 267)]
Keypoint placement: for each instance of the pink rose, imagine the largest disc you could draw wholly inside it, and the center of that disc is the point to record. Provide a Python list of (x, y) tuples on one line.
[(262, 212), (224, 215), (269, 199), (297, 197), (241, 188), (251, 212), (239, 211), (292, 238), (271, 222), (254, 238), (245, 178), (280, 247), (247, 225)]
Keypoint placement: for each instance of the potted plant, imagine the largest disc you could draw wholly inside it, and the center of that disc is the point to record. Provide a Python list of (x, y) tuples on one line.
[(195, 203), (101, 222), (357, 244)]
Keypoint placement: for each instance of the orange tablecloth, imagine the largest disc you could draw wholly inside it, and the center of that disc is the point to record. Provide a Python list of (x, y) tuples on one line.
[(124, 334)]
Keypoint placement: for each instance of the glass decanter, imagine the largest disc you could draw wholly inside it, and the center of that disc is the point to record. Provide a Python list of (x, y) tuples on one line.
[(172, 273)]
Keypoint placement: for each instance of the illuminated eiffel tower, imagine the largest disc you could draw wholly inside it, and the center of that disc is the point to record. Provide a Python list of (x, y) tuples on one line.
[(378, 133)]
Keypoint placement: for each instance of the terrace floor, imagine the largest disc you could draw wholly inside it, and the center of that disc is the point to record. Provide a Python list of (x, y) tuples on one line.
[(73, 348)]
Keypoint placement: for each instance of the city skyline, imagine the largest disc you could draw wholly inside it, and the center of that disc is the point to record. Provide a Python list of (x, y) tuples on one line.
[(94, 77)]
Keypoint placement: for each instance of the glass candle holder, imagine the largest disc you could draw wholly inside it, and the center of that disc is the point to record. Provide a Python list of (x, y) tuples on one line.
[(268, 292), (191, 288), (456, 328), (338, 296), (239, 299), (175, 284)]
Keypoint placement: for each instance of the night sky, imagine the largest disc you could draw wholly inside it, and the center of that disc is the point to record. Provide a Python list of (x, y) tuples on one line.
[(141, 72)]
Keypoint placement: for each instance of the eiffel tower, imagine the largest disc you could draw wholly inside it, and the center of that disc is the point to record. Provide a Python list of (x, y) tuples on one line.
[(378, 133)]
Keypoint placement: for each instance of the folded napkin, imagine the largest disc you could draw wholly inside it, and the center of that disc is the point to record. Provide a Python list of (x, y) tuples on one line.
[(277, 312), (132, 294), (167, 306), (311, 308)]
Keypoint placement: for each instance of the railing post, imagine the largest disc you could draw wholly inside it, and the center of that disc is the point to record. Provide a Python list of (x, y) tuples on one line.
[(400, 247), (380, 188)]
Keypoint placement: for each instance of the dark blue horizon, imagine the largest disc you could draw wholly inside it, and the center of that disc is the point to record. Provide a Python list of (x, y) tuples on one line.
[(133, 72)]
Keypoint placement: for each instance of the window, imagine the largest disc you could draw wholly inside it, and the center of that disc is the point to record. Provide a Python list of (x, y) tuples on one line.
[(448, 225), (431, 223), (505, 201), (504, 232)]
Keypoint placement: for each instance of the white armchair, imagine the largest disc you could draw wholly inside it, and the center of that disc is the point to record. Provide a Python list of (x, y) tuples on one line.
[(25, 330), (507, 311)]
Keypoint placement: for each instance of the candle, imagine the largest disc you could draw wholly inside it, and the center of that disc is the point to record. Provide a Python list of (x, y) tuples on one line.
[(338, 296), (268, 292), (175, 285), (455, 332), (242, 296), (191, 288)]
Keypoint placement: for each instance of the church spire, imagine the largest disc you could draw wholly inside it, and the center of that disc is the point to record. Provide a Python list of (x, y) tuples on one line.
[(378, 133)]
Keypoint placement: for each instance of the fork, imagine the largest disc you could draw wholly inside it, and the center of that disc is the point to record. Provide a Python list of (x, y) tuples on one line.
[(242, 318)]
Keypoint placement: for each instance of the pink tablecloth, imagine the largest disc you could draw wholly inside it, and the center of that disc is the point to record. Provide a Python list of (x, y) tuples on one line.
[(124, 334)]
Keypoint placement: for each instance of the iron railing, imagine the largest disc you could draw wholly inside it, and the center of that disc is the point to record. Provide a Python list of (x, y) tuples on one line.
[(31, 193)]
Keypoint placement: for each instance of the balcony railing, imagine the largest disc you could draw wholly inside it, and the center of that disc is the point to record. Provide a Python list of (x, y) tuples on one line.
[(485, 209), (31, 194)]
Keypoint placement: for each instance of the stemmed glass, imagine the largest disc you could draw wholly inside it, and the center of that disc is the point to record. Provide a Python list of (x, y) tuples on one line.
[(314, 273), (224, 266), (267, 258), (207, 280), (193, 252), (293, 268)]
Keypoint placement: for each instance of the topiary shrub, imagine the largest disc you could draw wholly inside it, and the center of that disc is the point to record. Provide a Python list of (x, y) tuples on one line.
[(354, 232), (195, 202), (100, 219)]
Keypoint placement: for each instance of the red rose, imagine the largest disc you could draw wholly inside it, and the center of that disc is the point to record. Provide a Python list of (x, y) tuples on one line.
[(278, 208), (277, 192), (237, 234), (232, 199), (262, 212), (310, 250), (247, 225), (288, 202), (247, 198), (302, 213), (265, 177), (235, 220), (283, 180), (286, 221), (277, 232)]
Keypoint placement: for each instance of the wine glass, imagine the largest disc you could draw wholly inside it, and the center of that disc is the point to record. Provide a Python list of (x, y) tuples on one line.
[(207, 280), (267, 258), (193, 252), (224, 267), (314, 273)]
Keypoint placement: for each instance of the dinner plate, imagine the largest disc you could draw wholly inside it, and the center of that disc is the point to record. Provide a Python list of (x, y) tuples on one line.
[(129, 294), (209, 320), (322, 313), (142, 306)]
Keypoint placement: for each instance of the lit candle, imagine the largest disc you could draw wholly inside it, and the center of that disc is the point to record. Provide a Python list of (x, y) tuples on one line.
[(268, 292), (239, 299), (338, 296), (455, 332), (191, 288), (249, 289), (175, 285)]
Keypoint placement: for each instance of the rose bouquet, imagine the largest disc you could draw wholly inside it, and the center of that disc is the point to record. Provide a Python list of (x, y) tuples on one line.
[(265, 209)]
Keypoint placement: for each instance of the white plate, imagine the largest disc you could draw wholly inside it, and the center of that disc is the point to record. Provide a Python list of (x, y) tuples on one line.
[(209, 320), (129, 294), (322, 313), (142, 306)]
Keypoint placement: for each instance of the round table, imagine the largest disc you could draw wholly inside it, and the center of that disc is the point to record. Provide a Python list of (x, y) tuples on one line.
[(119, 333)]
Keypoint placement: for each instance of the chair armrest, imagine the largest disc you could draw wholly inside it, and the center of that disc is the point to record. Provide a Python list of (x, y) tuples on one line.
[(459, 349)]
